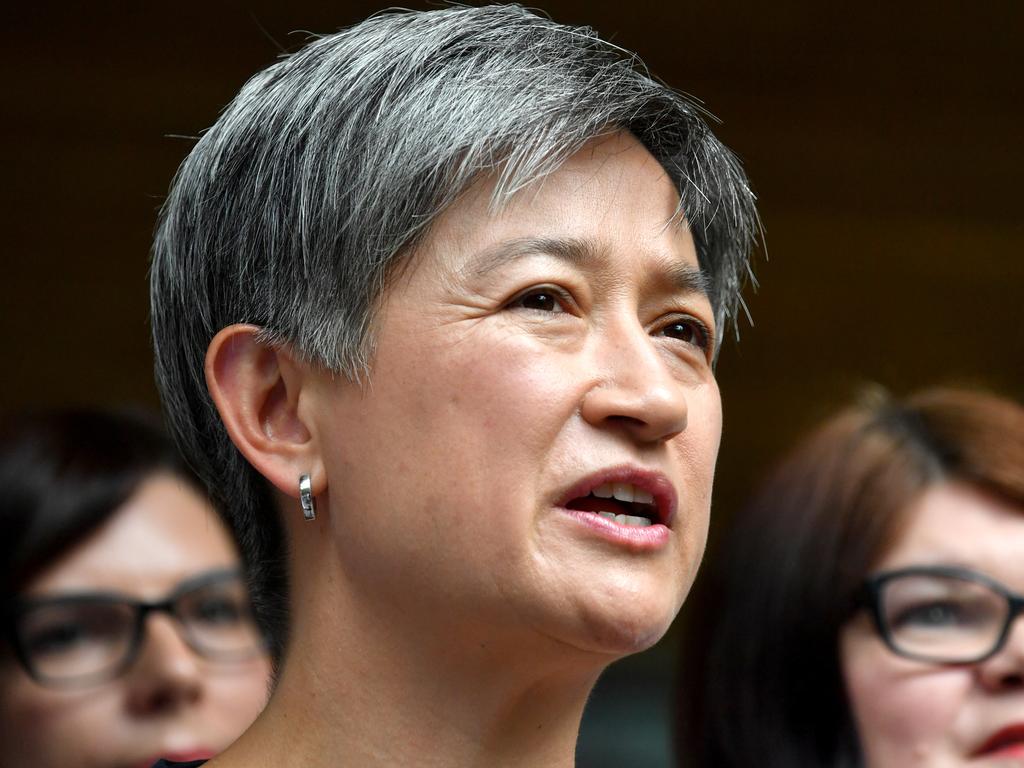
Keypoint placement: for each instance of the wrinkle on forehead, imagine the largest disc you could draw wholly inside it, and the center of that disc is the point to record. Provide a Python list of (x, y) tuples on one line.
[(588, 177)]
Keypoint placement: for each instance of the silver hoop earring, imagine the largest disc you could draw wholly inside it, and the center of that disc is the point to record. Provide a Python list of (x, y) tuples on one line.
[(306, 497)]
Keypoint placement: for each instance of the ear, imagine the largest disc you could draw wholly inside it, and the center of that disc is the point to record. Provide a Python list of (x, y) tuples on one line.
[(259, 390)]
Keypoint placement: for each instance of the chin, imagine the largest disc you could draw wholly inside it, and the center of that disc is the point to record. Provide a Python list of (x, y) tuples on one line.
[(624, 638), (627, 625)]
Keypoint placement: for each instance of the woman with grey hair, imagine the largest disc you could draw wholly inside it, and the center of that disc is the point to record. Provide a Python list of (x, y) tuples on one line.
[(436, 305)]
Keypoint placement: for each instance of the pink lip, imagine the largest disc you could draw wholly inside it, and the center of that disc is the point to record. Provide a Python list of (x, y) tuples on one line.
[(1006, 742), (186, 756), (655, 483)]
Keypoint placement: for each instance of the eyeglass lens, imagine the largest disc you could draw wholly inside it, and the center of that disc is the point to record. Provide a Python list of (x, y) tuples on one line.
[(942, 617), (79, 640), (218, 620)]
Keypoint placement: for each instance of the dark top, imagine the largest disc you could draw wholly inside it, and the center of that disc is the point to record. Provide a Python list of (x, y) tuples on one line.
[(165, 764)]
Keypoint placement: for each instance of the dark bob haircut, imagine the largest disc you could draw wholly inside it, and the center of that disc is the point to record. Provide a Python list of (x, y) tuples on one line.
[(63, 474), (760, 680)]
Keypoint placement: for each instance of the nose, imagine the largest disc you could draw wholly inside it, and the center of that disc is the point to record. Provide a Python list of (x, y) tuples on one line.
[(166, 675), (1005, 670), (636, 390)]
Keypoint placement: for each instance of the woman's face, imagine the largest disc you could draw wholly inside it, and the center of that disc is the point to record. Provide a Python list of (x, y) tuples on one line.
[(170, 702), (912, 713), (524, 359)]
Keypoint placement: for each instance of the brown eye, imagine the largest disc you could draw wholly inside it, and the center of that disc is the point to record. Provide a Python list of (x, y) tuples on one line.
[(690, 331), (540, 300)]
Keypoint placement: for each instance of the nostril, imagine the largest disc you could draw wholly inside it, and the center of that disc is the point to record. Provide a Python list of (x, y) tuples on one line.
[(630, 421)]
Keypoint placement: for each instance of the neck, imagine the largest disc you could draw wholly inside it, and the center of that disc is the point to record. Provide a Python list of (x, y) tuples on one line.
[(366, 684)]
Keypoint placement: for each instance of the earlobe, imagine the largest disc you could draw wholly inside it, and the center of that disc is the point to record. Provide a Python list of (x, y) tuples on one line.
[(257, 389)]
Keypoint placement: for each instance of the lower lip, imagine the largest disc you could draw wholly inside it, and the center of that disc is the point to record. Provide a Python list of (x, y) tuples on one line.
[(1009, 751), (648, 538)]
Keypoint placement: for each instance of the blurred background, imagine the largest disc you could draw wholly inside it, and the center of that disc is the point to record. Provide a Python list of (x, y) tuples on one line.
[(884, 142)]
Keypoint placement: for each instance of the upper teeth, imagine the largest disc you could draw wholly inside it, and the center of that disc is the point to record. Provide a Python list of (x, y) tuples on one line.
[(623, 492)]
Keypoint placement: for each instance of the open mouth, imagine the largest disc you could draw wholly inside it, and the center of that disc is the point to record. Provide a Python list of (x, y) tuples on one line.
[(624, 503)]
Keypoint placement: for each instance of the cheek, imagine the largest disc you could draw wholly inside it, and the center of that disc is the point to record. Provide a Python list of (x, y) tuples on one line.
[(480, 402), (520, 397), (905, 712), (443, 453), (234, 698), (697, 447), (708, 403), (48, 729)]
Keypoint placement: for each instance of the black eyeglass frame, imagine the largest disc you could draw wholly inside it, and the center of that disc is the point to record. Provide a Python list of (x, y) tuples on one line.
[(141, 610), (870, 598)]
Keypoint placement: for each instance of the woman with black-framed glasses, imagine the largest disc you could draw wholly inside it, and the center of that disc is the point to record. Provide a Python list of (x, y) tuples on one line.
[(126, 628), (78, 639), (940, 613), (868, 607)]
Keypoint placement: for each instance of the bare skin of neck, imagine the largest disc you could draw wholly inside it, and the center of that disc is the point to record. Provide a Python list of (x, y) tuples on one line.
[(364, 686)]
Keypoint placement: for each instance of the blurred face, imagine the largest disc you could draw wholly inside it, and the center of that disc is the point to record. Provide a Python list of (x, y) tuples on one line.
[(535, 448), (913, 713), (170, 701)]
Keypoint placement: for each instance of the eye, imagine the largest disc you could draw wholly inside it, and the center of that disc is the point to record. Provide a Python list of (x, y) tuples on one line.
[(543, 298), (689, 330), (59, 638), (952, 612), (71, 629), (937, 615), (217, 610), (215, 605)]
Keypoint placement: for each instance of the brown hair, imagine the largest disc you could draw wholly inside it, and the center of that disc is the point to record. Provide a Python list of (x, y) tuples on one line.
[(761, 683)]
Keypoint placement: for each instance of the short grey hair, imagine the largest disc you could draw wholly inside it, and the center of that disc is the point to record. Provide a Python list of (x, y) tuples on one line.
[(329, 166)]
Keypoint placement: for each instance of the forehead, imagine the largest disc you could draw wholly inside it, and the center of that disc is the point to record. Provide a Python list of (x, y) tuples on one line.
[(165, 532), (611, 200), (957, 524)]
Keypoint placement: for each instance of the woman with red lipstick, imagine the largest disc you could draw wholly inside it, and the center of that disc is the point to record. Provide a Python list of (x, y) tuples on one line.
[(127, 633), (441, 296), (869, 608)]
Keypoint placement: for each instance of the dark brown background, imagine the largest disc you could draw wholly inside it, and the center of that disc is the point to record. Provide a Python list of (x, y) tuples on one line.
[(884, 142)]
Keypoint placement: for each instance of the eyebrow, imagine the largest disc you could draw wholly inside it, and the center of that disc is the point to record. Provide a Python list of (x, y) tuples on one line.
[(579, 253), (188, 584)]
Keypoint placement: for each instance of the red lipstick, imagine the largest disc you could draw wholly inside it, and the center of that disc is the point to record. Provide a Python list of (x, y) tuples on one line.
[(1006, 742)]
